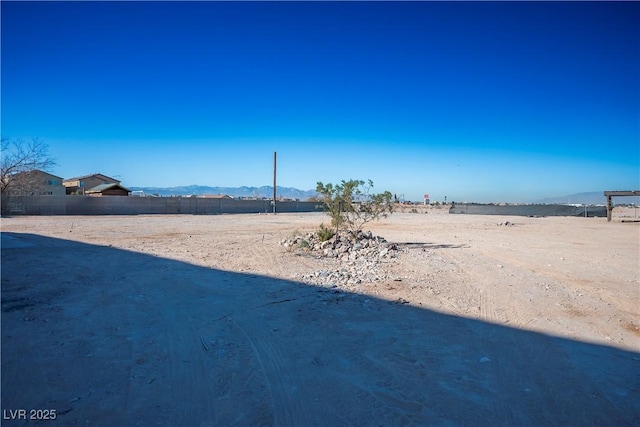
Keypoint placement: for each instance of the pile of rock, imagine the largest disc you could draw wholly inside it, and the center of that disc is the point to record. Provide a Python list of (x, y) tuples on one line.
[(346, 248), (348, 261)]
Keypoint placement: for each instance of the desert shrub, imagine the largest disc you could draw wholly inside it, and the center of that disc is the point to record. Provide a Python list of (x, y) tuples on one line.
[(296, 241), (303, 244), (324, 233), (293, 240), (351, 204)]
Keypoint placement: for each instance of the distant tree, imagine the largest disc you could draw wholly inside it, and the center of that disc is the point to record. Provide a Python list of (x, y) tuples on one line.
[(351, 204), (18, 159)]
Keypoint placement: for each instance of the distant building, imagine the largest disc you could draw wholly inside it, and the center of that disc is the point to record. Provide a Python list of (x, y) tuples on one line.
[(35, 183), (80, 184), (215, 196), (108, 190)]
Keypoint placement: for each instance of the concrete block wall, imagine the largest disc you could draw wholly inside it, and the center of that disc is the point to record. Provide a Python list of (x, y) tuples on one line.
[(121, 205), (529, 210)]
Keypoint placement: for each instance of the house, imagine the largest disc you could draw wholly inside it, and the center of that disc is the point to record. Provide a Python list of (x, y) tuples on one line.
[(35, 183), (108, 190), (80, 184)]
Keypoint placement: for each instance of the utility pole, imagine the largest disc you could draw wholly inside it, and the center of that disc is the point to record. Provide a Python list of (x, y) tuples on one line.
[(274, 181)]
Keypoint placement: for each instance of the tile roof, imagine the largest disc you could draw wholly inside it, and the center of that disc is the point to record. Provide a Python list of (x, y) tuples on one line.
[(90, 175)]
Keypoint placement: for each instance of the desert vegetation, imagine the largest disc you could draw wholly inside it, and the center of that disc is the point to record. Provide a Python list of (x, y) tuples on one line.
[(351, 204)]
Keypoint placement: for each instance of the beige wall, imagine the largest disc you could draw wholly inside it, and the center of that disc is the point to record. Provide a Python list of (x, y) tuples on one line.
[(36, 183)]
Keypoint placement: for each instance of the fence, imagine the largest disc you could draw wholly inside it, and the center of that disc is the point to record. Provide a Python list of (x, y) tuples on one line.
[(122, 205), (529, 210)]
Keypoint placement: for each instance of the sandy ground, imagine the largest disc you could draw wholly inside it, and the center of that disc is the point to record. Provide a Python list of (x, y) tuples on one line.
[(203, 321)]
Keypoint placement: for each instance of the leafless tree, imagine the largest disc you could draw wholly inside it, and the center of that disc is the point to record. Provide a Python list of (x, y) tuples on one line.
[(19, 159)]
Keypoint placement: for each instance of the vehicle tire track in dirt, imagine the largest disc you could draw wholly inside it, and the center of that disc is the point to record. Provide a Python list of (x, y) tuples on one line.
[(498, 301), (288, 399), (167, 355), (238, 387), (487, 309), (395, 376), (356, 361), (281, 263), (189, 375), (259, 252)]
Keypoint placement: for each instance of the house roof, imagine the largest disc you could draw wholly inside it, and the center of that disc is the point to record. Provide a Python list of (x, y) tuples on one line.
[(103, 187), (99, 175), (216, 196), (38, 171)]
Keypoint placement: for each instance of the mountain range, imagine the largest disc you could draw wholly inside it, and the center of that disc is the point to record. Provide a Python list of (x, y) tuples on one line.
[(258, 192), (589, 198)]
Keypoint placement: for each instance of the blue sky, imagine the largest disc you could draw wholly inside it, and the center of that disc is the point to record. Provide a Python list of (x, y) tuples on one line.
[(488, 102)]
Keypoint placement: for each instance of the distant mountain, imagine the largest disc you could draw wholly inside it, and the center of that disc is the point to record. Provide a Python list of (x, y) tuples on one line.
[(199, 190), (591, 198)]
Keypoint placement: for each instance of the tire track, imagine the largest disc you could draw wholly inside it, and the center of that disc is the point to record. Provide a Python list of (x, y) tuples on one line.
[(505, 292), (397, 381), (268, 253), (238, 390), (288, 400), (189, 377)]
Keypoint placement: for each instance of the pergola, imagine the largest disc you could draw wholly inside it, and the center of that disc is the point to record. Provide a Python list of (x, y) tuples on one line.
[(610, 194)]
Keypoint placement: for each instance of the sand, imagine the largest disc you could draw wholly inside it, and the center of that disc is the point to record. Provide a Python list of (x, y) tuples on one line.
[(204, 320)]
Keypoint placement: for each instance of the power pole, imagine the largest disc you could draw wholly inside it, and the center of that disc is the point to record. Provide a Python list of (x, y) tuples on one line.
[(274, 181)]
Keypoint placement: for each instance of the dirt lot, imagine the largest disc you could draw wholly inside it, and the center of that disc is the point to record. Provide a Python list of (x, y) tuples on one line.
[(205, 320)]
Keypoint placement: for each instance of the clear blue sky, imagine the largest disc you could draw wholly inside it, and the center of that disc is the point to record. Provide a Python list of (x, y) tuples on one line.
[(480, 102)]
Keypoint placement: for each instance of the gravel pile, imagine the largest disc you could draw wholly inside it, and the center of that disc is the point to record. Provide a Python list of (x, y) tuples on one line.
[(347, 261)]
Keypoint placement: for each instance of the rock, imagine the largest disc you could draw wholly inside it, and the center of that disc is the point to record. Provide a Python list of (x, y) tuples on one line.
[(350, 262), (484, 359)]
